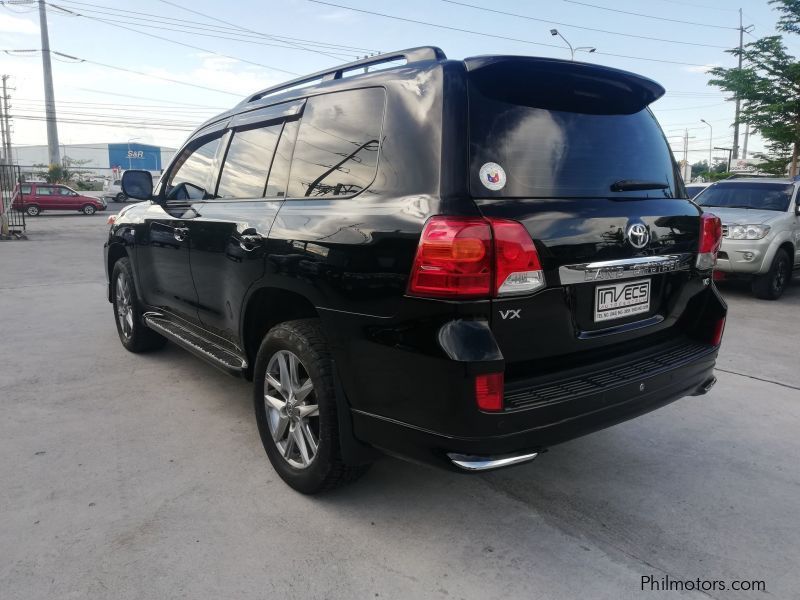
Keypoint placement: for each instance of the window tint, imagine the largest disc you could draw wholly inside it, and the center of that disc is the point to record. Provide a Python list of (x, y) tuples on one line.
[(279, 173), (247, 162), (44, 191), (336, 153), (196, 168), (549, 153), (24, 189), (64, 191), (747, 194)]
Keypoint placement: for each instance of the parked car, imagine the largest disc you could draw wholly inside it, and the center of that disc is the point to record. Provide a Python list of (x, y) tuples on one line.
[(692, 189), (36, 198), (760, 231), (113, 189), (430, 261)]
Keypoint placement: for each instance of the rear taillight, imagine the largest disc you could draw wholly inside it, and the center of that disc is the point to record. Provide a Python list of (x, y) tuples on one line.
[(716, 333), (710, 241), (489, 391), (517, 266), (460, 257), (454, 259)]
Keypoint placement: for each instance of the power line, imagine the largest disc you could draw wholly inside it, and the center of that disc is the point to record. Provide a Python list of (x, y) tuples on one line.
[(213, 18), (119, 95), (625, 12), (172, 20), (491, 35), (549, 22), (158, 37), (693, 5)]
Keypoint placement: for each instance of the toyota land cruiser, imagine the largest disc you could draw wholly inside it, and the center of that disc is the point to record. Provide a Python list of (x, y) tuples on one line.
[(460, 262)]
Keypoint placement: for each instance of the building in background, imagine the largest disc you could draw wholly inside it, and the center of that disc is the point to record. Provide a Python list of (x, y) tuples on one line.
[(101, 159)]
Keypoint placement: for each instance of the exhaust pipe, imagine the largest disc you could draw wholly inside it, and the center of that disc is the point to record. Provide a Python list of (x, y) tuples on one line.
[(706, 387)]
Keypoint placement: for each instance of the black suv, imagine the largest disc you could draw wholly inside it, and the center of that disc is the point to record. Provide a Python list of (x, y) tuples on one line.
[(460, 262)]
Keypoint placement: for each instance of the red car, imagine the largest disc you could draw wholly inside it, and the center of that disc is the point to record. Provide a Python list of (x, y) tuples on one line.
[(35, 198)]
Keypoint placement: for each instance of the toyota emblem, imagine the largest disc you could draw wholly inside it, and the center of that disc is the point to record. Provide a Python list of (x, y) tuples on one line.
[(638, 235)]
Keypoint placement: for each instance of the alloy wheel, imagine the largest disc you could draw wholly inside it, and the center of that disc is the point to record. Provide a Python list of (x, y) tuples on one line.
[(124, 306), (292, 411)]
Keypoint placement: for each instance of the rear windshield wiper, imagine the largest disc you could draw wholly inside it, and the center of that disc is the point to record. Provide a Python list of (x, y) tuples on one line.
[(632, 185)]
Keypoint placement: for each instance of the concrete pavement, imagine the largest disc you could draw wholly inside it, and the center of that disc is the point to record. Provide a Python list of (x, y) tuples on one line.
[(128, 476)]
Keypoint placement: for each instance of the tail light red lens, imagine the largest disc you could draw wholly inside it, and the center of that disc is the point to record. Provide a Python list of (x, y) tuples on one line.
[(710, 240), (454, 259), (489, 391), (517, 266), (466, 257), (716, 333)]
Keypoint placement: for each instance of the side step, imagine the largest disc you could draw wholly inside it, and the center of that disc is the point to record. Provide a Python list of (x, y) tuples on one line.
[(223, 359), (486, 463)]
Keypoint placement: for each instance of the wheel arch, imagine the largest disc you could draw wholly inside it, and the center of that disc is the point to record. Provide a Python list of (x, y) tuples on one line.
[(266, 307)]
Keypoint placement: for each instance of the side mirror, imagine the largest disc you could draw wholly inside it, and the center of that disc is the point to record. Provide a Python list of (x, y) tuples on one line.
[(137, 184)]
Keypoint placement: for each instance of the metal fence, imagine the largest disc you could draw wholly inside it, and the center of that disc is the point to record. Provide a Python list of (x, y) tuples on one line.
[(11, 220)]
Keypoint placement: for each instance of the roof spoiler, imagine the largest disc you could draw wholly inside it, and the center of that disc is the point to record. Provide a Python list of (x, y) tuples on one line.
[(554, 84)]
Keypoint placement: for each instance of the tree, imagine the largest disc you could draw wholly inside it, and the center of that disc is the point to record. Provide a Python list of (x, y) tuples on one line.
[(769, 86), (64, 173)]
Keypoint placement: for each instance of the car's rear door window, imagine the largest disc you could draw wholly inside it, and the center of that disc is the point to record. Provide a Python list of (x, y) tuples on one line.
[(247, 163)]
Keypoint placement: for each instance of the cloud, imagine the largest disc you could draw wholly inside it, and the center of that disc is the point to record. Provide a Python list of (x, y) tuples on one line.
[(11, 24), (700, 69)]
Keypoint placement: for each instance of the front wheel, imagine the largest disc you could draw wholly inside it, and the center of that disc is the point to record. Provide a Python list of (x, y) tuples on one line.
[(296, 408), (133, 334), (88, 209), (773, 283), (120, 197)]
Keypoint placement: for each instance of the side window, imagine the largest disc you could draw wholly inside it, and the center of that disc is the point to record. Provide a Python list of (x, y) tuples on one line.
[(279, 173), (244, 174), (195, 169), (64, 191), (337, 145), (24, 189), (44, 191)]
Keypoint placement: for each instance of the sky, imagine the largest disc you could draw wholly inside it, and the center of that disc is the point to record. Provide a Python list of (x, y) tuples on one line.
[(126, 65)]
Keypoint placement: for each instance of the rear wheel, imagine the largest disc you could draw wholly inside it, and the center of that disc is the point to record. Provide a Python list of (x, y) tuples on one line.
[(296, 408), (773, 283), (32, 210), (88, 209), (133, 334)]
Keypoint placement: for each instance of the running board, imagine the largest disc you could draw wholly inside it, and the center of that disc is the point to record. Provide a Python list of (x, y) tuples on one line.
[(223, 359), (486, 463)]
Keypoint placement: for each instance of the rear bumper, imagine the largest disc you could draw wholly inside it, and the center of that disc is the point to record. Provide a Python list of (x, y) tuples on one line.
[(546, 423)]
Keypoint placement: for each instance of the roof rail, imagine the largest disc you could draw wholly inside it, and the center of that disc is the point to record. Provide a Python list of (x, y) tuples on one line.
[(412, 55)]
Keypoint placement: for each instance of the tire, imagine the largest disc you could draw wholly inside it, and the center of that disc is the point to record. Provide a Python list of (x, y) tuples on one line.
[(32, 210), (133, 333), (120, 197), (313, 470), (774, 282), (88, 209)]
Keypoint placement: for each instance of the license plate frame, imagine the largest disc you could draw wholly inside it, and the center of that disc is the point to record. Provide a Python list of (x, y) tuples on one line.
[(621, 299)]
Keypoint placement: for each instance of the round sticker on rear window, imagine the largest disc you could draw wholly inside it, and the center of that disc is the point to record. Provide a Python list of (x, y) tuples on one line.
[(493, 176)]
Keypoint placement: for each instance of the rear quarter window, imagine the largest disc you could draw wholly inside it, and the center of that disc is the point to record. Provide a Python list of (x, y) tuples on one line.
[(336, 153)]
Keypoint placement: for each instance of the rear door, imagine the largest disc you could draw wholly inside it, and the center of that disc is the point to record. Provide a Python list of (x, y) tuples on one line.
[(45, 197), (230, 233), (573, 153)]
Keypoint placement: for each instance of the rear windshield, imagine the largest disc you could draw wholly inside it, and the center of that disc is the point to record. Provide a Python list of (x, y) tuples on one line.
[(525, 151), (756, 195)]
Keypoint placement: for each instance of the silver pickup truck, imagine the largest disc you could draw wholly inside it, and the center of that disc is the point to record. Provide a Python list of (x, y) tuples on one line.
[(760, 230)]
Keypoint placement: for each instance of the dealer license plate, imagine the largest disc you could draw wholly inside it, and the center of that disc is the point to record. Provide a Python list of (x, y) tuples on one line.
[(621, 300)]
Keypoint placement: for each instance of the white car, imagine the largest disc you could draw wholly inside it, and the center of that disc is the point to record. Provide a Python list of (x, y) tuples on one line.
[(113, 189)]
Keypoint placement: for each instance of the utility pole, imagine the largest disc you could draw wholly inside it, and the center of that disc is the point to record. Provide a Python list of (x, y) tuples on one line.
[(746, 135), (742, 31), (54, 156), (3, 135), (6, 125)]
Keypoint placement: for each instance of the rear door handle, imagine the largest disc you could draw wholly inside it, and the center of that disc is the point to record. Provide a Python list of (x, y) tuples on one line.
[(181, 233), (249, 241)]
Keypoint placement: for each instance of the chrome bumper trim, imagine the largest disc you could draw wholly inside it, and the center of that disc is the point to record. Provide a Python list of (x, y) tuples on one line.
[(485, 463), (623, 269)]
